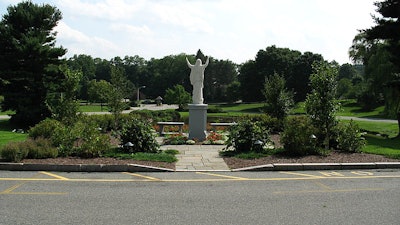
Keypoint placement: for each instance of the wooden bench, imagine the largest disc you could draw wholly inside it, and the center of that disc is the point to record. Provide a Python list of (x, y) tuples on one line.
[(215, 125), (163, 124)]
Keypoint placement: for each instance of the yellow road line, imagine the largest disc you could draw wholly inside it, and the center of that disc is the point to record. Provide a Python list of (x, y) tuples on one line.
[(323, 186), (34, 193), (301, 174), (148, 178), (224, 176), (10, 189), (328, 191), (143, 176), (54, 175)]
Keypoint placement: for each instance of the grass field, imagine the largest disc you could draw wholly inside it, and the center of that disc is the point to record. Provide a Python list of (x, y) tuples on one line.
[(6, 134), (351, 108), (383, 146), (390, 129), (92, 108)]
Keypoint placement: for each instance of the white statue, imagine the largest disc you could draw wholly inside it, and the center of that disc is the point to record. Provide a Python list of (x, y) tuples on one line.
[(197, 79)]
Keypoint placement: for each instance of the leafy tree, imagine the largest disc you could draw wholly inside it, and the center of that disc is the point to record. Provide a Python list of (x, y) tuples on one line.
[(233, 91), (85, 64), (136, 70), (347, 71), (387, 29), (167, 72), (320, 104), (344, 88), (98, 91), (278, 99), (219, 74), (249, 80), (103, 69), (177, 95), (29, 60), (292, 65), (117, 94), (62, 101), (299, 78)]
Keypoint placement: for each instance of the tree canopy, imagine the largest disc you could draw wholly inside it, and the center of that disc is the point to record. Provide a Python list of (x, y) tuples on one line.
[(294, 66)]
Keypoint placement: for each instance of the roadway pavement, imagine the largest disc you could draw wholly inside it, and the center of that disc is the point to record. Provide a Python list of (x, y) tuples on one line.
[(306, 197)]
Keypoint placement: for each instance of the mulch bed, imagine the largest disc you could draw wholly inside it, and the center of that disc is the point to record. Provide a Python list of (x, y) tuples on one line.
[(333, 157), (97, 161)]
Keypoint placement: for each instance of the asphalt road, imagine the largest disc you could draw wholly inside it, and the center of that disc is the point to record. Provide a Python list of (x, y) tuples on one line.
[(301, 197)]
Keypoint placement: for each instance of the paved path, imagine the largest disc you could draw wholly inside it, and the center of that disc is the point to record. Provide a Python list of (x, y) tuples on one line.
[(198, 157)]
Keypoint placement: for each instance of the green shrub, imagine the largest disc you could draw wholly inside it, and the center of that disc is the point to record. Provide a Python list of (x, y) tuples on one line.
[(13, 152), (247, 136), (171, 152), (105, 122), (298, 136), (274, 125), (64, 138), (140, 134), (44, 129), (349, 137), (40, 148), (91, 143)]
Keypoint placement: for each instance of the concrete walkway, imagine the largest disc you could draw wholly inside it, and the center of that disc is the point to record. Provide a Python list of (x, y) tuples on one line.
[(198, 157)]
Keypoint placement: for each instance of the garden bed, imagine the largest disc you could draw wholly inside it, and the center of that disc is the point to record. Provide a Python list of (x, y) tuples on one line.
[(333, 157), (97, 161)]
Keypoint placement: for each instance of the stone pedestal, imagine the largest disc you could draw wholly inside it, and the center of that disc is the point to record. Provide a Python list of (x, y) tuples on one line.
[(198, 121)]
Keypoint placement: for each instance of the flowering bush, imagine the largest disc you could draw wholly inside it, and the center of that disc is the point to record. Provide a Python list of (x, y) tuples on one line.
[(215, 138), (175, 139), (190, 142)]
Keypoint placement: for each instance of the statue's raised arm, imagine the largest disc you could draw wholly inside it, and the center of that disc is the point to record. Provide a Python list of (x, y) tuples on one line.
[(207, 61), (188, 63)]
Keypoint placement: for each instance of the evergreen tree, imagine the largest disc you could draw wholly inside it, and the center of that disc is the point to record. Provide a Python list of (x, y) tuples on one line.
[(29, 60)]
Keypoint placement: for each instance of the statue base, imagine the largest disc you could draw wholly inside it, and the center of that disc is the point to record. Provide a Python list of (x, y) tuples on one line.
[(198, 121)]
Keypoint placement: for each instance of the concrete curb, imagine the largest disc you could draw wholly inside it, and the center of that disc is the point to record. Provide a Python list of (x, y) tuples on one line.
[(320, 166), (142, 168), (81, 168)]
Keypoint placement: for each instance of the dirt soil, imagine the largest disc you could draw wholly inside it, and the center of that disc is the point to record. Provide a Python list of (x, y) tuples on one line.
[(97, 161), (333, 157)]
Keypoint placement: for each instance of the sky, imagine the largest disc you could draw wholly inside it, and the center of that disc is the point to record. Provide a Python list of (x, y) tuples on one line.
[(224, 29)]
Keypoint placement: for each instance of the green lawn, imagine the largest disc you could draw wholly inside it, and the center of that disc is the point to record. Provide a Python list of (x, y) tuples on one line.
[(382, 146), (93, 108), (8, 112), (350, 108), (240, 108), (390, 129), (6, 134)]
